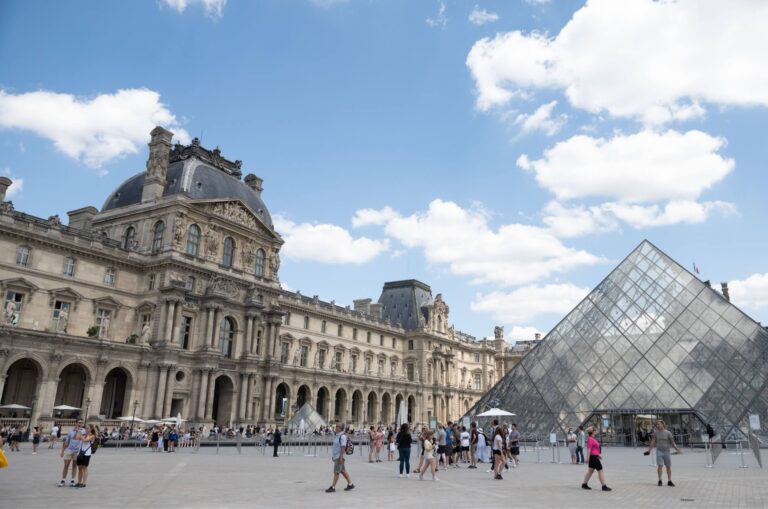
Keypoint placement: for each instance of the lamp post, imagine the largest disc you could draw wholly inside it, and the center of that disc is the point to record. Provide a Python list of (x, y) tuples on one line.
[(133, 417), (87, 406)]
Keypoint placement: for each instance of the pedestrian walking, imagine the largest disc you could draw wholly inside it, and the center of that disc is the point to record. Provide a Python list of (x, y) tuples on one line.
[(498, 452), (403, 441), (593, 460), (54, 438), (429, 457), (391, 445), (338, 451), (663, 439)]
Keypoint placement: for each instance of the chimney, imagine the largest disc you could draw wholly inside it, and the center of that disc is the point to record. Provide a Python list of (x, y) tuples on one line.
[(81, 219), (157, 164), (537, 336), (708, 284), (724, 287), (254, 183), (5, 183)]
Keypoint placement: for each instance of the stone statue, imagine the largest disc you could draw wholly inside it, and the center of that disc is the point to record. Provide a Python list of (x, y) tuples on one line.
[(178, 230), (9, 313), (274, 262), (146, 332), (54, 220), (317, 359), (104, 328), (249, 253), (61, 325), (417, 375), (6, 207), (211, 241), (498, 332)]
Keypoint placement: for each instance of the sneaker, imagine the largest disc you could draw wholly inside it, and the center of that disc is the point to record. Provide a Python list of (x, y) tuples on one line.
[(585, 486), (606, 488), (435, 479), (669, 483), (498, 477), (400, 476), (71, 483), (62, 483), (349, 487), (407, 476), (79, 486), (331, 490), (660, 483), (472, 466)]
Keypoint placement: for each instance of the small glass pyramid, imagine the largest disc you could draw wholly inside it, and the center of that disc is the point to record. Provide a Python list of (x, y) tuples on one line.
[(650, 341)]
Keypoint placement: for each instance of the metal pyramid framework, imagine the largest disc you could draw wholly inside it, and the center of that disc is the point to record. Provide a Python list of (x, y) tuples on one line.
[(650, 338)]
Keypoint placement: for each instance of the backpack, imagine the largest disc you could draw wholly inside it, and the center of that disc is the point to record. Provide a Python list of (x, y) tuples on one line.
[(350, 447), (95, 445)]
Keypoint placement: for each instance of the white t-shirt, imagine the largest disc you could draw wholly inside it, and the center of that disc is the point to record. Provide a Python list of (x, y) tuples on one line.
[(497, 443), (464, 439), (86, 447), (55, 431)]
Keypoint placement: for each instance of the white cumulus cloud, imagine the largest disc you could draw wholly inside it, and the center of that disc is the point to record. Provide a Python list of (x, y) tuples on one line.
[(751, 292), (17, 184), (480, 16), (464, 241), (214, 9), (521, 333), (542, 120), (93, 130), (368, 217), (326, 243), (576, 221), (526, 303), (641, 167), (654, 61)]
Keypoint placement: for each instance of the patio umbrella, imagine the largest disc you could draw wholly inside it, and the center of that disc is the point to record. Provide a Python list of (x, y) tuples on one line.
[(15, 406), (130, 418), (65, 407), (495, 412), (152, 421)]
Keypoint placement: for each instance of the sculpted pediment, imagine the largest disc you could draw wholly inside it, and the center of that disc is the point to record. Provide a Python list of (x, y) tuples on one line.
[(237, 212)]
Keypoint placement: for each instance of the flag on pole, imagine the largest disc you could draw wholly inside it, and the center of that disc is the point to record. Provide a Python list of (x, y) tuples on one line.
[(696, 268)]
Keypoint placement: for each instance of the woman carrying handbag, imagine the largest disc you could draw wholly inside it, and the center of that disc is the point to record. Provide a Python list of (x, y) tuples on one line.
[(87, 436)]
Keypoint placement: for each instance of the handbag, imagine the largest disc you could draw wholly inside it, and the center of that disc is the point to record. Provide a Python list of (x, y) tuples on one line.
[(3, 459), (81, 455)]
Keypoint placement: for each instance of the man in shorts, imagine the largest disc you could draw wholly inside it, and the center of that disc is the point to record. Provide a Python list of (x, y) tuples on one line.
[(441, 449), (473, 437), (70, 448), (514, 445), (338, 450), (662, 439)]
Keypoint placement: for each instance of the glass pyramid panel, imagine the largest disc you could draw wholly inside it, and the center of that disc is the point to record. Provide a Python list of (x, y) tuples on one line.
[(649, 338)]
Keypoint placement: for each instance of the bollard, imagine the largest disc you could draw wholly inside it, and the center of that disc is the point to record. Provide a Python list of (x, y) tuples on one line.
[(741, 453), (709, 455)]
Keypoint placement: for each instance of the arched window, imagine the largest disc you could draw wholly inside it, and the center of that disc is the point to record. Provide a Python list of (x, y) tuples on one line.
[(229, 252), (227, 336), (157, 236), (260, 262), (193, 240), (130, 237)]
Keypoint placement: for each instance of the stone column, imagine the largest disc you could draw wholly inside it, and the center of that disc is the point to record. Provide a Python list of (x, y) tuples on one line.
[(247, 346), (146, 408), (169, 321), (248, 398), (215, 336), (268, 340), (177, 323), (243, 396), (45, 396), (269, 400), (331, 407), (209, 397), (170, 378), (208, 327), (203, 389), (162, 372), (2, 384)]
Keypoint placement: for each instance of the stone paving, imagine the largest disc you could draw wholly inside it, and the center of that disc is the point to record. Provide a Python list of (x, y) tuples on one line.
[(139, 478)]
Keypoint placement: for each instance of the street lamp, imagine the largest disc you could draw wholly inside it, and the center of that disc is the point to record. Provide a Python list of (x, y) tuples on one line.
[(133, 417), (87, 406)]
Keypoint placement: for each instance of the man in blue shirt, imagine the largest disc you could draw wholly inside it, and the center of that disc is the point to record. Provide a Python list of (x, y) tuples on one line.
[(70, 448), (337, 456)]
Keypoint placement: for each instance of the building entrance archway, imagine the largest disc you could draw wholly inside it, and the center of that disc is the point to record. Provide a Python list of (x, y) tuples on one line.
[(71, 388), (322, 402), (302, 396), (113, 400), (21, 383), (223, 397)]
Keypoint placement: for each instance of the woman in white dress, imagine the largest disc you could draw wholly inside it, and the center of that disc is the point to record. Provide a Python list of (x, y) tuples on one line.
[(482, 446)]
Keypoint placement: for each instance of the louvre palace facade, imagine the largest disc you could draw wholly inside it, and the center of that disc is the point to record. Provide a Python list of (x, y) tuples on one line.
[(167, 301)]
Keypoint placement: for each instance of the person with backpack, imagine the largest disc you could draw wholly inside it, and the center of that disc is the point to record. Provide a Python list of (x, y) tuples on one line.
[(342, 445)]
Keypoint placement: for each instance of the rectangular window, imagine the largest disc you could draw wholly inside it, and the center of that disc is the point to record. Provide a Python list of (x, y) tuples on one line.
[(337, 363), (186, 331), (189, 284), (103, 321), (368, 362), (323, 326), (340, 330), (394, 343), (304, 356), (150, 282), (368, 337), (410, 372), (477, 357), (321, 359), (381, 340), (109, 276), (146, 318), (354, 334), (69, 266), (354, 364), (287, 318), (60, 316), (477, 381), (14, 301), (22, 256), (284, 352), (381, 367), (258, 342), (306, 322), (410, 344)]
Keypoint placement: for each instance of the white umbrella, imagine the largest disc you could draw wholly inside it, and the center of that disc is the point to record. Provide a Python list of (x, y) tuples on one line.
[(152, 421), (66, 407), (495, 412), (15, 406), (130, 418)]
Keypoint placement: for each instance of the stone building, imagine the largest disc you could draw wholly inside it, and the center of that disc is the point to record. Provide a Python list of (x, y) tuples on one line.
[(168, 301)]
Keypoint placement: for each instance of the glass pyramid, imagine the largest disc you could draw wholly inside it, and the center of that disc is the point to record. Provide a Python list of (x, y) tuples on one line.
[(650, 340)]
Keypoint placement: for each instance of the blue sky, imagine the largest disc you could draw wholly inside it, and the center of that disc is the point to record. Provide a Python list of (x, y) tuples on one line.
[(508, 153)]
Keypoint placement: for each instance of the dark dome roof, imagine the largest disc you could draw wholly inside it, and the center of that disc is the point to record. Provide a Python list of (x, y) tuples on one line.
[(195, 179)]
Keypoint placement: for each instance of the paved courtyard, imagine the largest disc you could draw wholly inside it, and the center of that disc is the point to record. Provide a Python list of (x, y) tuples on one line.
[(129, 478)]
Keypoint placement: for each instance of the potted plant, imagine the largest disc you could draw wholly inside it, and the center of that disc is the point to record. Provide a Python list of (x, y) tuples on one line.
[(93, 331)]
